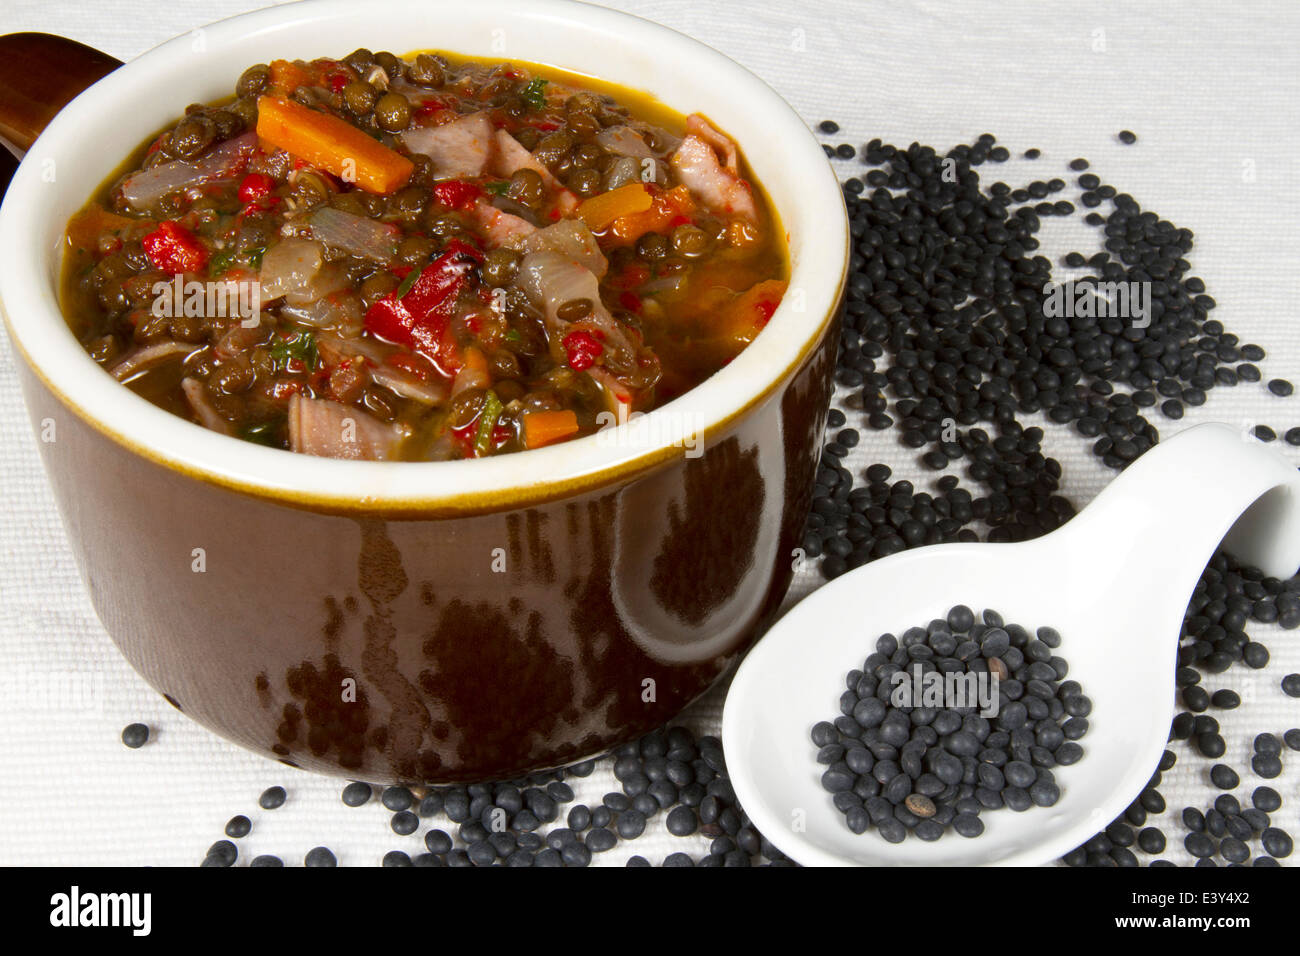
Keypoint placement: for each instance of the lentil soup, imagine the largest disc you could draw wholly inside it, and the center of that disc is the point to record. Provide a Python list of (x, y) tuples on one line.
[(422, 259)]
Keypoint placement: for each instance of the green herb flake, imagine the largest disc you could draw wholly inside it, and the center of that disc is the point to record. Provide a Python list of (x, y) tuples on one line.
[(262, 433), (407, 283), (300, 346), (534, 93), (497, 188), (221, 263), (487, 423)]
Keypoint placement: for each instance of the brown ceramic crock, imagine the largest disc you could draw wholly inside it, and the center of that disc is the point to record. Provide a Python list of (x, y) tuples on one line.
[(423, 622)]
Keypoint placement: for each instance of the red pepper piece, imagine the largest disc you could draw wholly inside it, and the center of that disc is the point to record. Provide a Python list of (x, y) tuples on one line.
[(419, 319), (173, 248), (582, 348), (765, 308), (255, 186), (457, 193), (389, 320)]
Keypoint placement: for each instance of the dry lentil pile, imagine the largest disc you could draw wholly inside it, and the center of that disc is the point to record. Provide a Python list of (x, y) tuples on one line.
[(946, 342), (920, 769)]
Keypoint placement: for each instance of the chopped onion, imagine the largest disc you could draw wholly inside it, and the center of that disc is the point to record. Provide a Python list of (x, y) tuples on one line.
[(409, 386), (196, 393), (145, 188), (624, 141), (624, 170), (571, 238), (550, 279), (368, 349), (343, 313), (295, 269), (618, 397), (667, 141), (149, 356), (469, 377), (354, 234), (240, 338)]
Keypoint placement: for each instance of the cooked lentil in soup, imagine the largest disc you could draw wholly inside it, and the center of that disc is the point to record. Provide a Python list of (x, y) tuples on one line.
[(427, 258)]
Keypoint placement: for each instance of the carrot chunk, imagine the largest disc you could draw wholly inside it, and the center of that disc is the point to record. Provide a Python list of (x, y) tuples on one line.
[(287, 76), (599, 211), (331, 144), (544, 428), (662, 212), (746, 315)]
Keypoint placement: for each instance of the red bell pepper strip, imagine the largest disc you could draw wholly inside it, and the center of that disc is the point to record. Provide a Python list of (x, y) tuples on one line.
[(419, 317)]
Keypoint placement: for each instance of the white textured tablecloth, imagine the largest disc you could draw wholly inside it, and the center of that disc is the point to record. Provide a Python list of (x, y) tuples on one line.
[(1212, 91)]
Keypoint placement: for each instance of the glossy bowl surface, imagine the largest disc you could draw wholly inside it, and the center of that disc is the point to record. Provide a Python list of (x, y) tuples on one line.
[(433, 621)]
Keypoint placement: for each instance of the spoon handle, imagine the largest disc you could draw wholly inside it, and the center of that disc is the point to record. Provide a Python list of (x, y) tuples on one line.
[(1159, 522), (39, 74)]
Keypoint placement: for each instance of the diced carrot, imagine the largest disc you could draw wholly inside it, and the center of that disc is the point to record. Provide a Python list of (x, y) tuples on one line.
[(476, 360), (599, 211), (746, 315), (544, 428), (287, 76), (666, 207), (332, 144)]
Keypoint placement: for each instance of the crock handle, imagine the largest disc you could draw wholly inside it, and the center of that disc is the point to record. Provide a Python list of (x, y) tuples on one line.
[(39, 74)]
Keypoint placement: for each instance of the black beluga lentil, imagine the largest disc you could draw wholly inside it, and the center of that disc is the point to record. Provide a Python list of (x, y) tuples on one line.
[(223, 853), (919, 768), (320, 856)]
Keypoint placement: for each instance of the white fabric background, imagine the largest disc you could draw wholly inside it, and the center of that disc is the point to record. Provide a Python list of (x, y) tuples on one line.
[(1212, 91)]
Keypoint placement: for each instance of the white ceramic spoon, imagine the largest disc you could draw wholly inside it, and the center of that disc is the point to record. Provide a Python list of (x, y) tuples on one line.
[(1115, 581)]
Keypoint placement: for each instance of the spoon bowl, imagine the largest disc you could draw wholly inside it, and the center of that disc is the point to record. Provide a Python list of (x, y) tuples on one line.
[(1115, 581)]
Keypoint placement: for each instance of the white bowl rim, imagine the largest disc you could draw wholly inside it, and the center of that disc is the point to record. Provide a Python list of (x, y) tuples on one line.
[(29, 304)]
